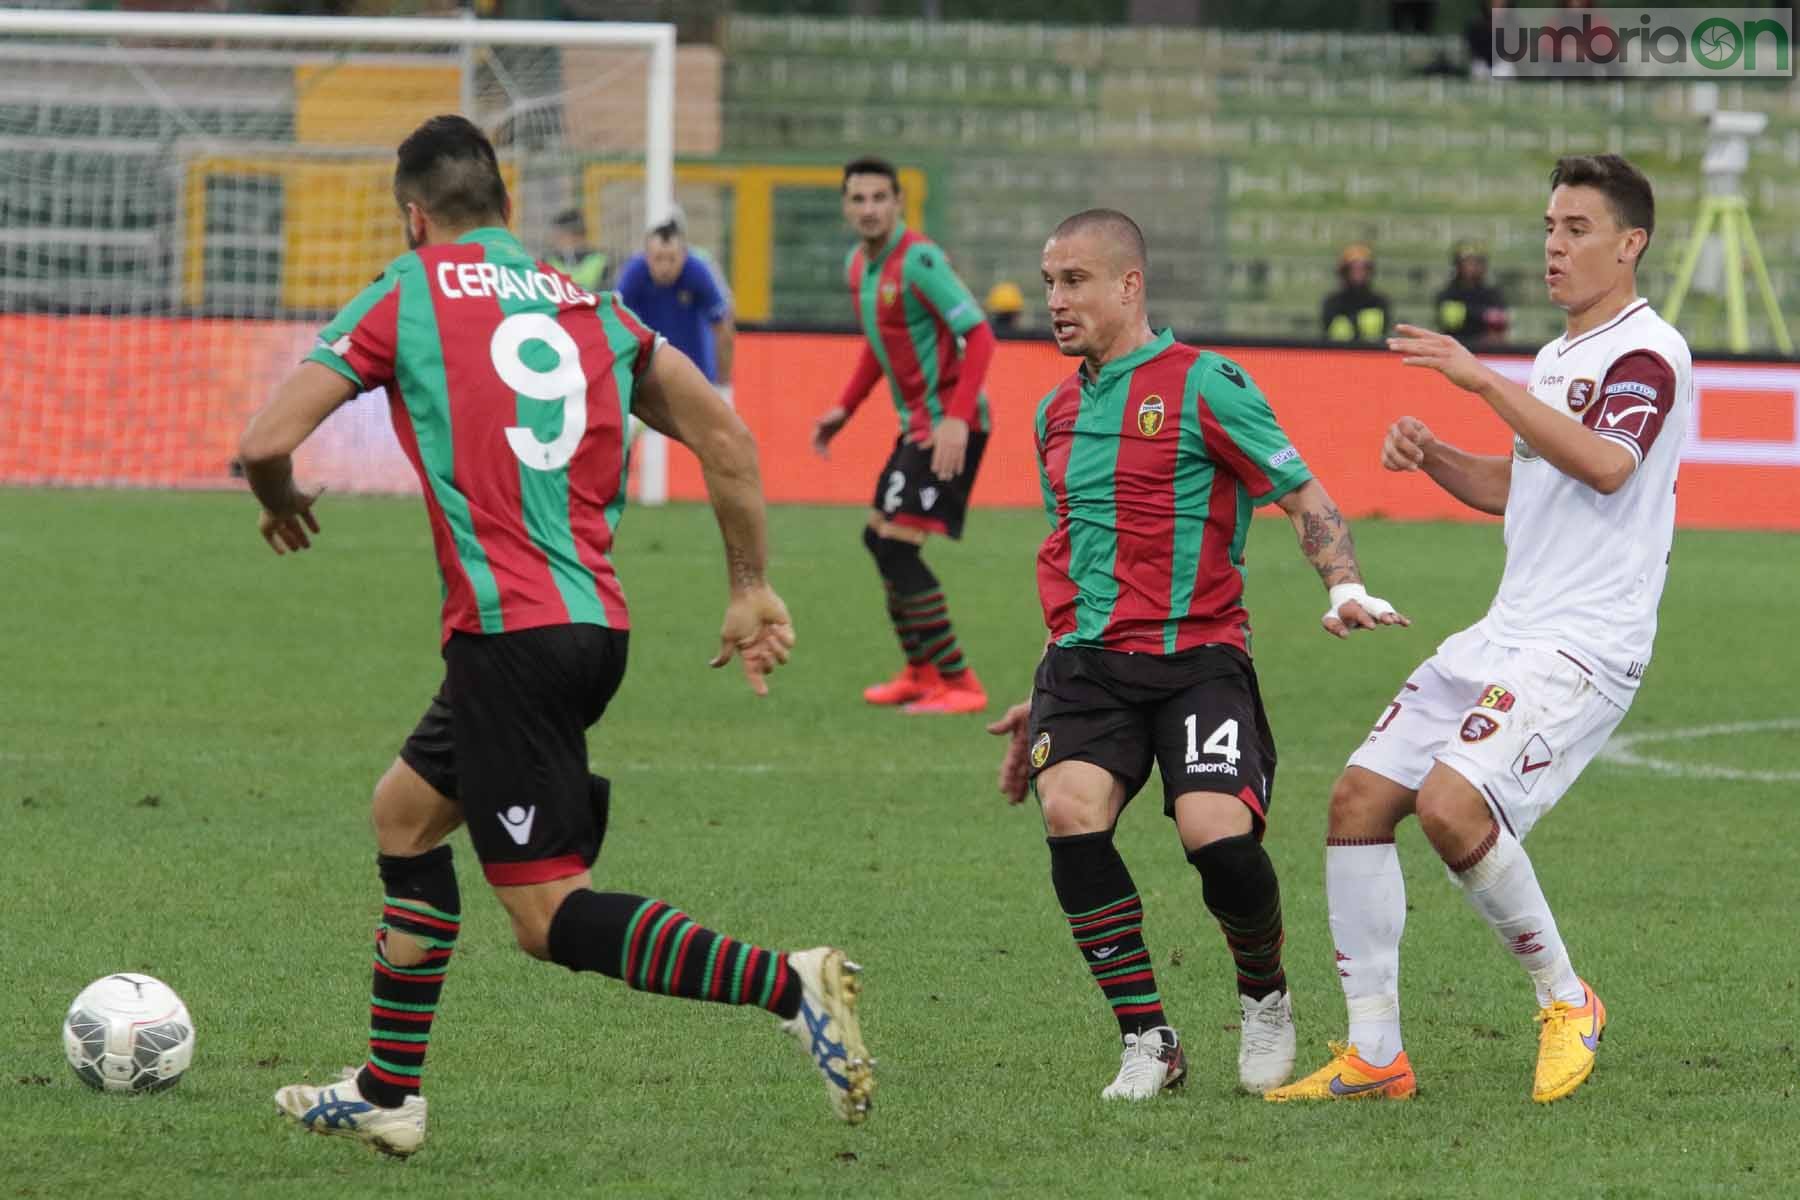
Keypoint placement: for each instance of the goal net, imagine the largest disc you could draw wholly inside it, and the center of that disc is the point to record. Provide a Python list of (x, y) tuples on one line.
[(184, 201)]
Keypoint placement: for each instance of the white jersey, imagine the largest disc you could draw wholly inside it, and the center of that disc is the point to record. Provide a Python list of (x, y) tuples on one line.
[(1584, 571)]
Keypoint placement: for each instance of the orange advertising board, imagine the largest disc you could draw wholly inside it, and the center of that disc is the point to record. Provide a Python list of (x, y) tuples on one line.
[(159, 402), (1741, 469)]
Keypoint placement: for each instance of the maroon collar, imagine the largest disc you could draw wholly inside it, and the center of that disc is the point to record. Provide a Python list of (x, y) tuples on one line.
[(1629, 311)]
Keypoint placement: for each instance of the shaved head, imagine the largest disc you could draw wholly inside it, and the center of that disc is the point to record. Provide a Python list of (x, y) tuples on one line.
[(1118, 233), (1094, 266)]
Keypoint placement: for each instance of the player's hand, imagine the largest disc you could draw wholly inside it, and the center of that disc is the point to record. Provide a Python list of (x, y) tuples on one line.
[(948, 443), (1439, 351), (1015, 776), (290, 527), (1404, 447), (828, 426), (758, 632), (1359, 610)]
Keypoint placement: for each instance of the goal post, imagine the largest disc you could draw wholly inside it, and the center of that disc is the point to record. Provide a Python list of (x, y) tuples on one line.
[(186, 197)]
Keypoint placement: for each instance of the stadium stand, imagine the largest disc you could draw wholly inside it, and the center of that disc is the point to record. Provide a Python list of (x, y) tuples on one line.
[(1257, 154), (1251, 157)]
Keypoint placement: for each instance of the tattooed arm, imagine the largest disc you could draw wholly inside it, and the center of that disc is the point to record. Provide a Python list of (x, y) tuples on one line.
[(675, 399), (1326, 542)]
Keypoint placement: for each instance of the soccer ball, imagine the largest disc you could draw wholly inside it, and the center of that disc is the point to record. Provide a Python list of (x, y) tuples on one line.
[(128, 1033)]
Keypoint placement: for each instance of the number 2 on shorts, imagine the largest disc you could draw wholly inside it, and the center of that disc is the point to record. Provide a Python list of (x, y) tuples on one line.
[(896, 483), (1222, 741)]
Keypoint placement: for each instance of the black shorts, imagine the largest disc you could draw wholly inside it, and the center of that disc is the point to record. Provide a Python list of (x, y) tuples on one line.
[(1196, 714), (506, 737), (907, 493)]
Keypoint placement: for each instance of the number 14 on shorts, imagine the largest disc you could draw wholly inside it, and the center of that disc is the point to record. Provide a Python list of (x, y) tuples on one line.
[(1221, 743)]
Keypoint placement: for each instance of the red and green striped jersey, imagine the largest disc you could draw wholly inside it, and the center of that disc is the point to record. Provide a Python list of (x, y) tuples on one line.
[(1150, 472), (510, 389), (913, 308)]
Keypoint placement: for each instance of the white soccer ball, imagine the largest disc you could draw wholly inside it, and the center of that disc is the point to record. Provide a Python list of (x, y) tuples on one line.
[(128, 1033)]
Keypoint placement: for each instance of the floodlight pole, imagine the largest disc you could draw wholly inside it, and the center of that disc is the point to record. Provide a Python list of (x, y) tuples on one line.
[(1723, 205)]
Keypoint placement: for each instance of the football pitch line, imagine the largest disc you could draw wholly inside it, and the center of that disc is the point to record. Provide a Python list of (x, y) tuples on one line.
[(1622, 751)]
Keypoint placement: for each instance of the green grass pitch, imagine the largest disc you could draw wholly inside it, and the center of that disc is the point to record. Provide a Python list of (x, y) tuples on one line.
[(189, 729)]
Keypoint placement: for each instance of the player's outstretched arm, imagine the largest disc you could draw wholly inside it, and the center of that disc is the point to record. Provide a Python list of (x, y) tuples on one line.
[(1326, 542), (675, 399), (306, 397), (1481, 481), (1569, 446), (856, 389)]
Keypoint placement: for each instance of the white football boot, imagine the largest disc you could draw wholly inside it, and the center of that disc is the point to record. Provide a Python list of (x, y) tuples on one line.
[(1151, 1062), (339, 1109), (828, 1031), (1266, 1043)]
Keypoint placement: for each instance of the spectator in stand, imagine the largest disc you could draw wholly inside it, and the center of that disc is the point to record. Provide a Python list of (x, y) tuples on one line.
[(1356, 312), (1470, 309), (1005, 303)]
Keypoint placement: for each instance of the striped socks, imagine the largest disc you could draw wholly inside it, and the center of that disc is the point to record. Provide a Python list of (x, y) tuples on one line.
[(916, 605), (423, 904), (1238, 883), (655, 947), (922, 622), (1106, 919)]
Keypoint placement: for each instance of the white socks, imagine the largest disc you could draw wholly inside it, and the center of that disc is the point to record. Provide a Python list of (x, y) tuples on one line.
[(1365, 896), (1504, 889)]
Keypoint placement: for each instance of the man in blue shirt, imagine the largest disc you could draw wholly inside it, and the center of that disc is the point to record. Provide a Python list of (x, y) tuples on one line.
[(676, 292)]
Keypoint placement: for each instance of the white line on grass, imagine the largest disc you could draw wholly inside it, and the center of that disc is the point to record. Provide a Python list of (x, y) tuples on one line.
[(1621, 751)]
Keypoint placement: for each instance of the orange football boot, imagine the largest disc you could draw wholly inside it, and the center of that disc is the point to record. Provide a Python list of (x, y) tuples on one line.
[(1348, 1077), (912, 683), (958, 693)]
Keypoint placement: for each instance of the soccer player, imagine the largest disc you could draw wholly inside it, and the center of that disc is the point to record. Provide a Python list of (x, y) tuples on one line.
[(509, 387), (927, 337), (1486, 736), (1152, 455), (679, 295)]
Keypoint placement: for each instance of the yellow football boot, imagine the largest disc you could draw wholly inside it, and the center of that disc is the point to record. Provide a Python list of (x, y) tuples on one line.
[(1348, 1077), (1566, 1045)]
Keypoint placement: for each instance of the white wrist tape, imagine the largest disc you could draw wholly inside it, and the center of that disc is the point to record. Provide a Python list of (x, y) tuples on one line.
[(1375, 606)]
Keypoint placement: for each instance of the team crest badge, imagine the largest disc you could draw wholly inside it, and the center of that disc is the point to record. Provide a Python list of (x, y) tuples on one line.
[(890, 292), (1496, 698), (1040, 750), (1150, 416), (1477, 727), (1581, 391)]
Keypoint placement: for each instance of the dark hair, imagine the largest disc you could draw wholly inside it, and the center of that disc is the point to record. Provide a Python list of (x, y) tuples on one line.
[(870, 166), (668, 231), (448, 168), (1626, 190), (1110, 223), (571, 220)]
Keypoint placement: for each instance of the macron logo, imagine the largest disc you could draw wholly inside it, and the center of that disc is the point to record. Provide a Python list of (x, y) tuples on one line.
[(518, 822)]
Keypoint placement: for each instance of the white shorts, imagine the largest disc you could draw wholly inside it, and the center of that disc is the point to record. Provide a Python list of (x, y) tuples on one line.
[(1519, 724)]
